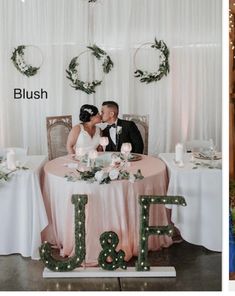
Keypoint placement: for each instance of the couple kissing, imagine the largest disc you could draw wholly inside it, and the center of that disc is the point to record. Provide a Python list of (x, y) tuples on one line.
[(87, 134)]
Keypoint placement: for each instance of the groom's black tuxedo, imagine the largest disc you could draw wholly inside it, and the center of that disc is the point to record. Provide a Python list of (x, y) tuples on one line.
[(128, 133)]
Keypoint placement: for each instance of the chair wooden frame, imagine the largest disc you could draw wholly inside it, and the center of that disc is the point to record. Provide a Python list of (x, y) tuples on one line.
[(144, 121), (53, 121)]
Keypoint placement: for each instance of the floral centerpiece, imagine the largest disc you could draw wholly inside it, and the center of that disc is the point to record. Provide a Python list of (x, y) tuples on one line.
[(102, 168), (5, 175), (103, 176)]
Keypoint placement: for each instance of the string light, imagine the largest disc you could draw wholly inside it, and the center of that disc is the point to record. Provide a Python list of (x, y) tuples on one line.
[(231, 30), (109, 240), (145, 201), (109, 258), (71, 263)]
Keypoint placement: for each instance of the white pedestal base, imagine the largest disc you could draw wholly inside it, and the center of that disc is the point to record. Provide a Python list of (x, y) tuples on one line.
[(159, 271)]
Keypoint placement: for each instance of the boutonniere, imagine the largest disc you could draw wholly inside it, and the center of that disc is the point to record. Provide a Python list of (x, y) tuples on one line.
[(119, 130)]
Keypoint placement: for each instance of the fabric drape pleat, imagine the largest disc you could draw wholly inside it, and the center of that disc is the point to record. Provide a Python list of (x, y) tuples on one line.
[(184, 105)]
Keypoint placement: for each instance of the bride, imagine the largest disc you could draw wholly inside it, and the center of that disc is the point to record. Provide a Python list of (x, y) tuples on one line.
[(85, 135)]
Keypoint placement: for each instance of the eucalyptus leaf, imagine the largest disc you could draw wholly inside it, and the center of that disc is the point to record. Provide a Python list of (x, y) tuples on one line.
[(163, 68), (78, 84)]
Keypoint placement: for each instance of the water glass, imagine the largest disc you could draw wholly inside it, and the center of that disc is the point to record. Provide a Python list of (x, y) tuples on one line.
[(104, 141), (212, 154), (125, 150)]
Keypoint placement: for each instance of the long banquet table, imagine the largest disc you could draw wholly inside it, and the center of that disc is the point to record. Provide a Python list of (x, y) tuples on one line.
[(110, 207), (22, 212), (200, 222)]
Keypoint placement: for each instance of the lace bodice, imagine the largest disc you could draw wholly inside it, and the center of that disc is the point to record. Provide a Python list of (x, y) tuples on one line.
[(87, 142)]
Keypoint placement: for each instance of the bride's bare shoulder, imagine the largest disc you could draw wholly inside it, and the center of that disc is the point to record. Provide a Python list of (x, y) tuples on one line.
[(76, 128)]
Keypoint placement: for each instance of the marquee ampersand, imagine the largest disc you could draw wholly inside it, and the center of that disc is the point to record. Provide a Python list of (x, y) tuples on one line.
[(109, 258)]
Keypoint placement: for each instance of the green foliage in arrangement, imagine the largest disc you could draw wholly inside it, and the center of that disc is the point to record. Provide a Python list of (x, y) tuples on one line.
[(72, 72), (164, 67)]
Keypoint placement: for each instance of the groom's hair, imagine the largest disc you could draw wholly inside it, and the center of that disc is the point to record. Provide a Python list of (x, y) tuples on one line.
[(113, 105)]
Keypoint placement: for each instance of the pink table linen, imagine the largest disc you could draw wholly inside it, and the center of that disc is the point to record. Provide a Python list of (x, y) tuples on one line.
[(110, 207)]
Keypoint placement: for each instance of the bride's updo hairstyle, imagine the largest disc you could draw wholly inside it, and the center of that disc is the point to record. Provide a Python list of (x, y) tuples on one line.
[(86, 112)]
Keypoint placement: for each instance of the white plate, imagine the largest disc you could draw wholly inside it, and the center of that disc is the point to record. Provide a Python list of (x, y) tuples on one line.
[(200, 155)]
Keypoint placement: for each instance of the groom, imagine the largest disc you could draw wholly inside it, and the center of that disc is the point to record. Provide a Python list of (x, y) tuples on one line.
[(118, 130)]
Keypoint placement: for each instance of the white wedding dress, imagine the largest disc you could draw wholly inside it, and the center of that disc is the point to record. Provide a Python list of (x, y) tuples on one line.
[(86, 142)]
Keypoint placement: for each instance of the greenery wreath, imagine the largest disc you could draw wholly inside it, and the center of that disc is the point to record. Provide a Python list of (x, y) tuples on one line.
[(20, 64), (72, 73), (164, 67)]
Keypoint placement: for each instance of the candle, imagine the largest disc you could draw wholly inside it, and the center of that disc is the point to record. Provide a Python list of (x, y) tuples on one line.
[(11, 164), (179, 152)]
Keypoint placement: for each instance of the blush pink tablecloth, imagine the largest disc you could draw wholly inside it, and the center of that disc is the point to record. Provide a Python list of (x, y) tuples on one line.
[(110, 207)]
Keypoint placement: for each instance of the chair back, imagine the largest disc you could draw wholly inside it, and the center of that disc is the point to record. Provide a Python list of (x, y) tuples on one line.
[(142, 122), (58, 128), (197, 145)]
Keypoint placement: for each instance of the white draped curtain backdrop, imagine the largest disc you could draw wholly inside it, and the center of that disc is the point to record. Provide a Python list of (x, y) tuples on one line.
[(184, 105)]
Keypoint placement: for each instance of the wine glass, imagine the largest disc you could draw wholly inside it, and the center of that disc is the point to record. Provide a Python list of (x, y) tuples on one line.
[(212, 149), (104, 141), (80, 153), (92, 155), (125, 150)]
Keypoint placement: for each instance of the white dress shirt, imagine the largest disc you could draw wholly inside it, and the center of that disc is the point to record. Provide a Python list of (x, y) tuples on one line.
[(113, 133)]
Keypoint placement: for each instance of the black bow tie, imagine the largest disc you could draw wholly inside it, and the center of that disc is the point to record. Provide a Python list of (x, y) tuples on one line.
[(111, 125)]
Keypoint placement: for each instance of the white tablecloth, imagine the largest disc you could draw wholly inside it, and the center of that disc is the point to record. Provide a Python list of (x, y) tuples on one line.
[(200, 222), (22, 211)]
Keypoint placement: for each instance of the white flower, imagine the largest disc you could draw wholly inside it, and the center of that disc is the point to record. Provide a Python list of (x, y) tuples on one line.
[(119, 130), (131, 178), (145, 75), (113, 174), (116, 161), (21, 67), (74, 76), (88, 110), (100, 176), (18, 58), (85, 85)]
